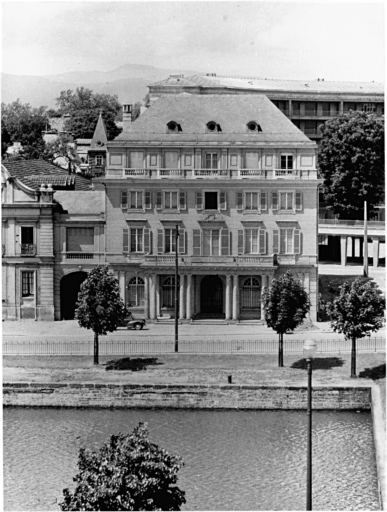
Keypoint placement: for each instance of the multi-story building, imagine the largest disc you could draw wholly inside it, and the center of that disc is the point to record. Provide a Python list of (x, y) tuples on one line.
[(52, 235), (237, 180), (308, 103)]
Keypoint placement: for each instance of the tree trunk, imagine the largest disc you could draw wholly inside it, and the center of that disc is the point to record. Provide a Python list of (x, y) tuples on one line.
[(96, 348), (280, 349), (353, 358)]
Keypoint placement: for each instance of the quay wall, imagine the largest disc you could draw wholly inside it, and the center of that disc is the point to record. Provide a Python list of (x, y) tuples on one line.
[(183, 396)]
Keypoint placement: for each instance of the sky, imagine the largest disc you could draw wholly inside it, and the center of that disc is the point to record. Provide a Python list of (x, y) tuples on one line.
[(278, 39)]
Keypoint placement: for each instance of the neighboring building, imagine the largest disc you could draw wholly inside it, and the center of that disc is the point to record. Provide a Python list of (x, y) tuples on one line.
[(308, 103), (92, 152), (45, 238), (240, 182)]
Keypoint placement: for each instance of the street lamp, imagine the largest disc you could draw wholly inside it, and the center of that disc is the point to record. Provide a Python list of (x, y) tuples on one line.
[(309, 350)]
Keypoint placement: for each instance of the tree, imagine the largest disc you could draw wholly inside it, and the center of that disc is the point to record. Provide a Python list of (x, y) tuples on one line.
[(356, 312), (84, 107), (351, 162), (24, 124), (63, 147), (100, 306), (128, 473), (286, 304)]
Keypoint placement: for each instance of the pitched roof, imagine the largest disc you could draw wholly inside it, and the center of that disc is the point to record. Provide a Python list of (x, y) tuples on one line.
[(231, 112), (265, 84), (33, 173), (99, 139)]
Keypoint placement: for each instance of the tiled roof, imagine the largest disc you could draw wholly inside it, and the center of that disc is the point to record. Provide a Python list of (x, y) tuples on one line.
[(35, 172), (265, 84), (231, 112), (99, 139)]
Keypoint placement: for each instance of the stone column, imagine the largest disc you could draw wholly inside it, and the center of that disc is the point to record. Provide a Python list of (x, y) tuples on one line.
[(189, 297), (228, 297), (146, 296), (343, 250), (158, 298), (182, 297), (152, 296), (263, 289), (235, 298), (375, 252)]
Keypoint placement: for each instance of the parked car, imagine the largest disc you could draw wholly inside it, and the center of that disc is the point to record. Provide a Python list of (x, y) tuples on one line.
[(133, 323)]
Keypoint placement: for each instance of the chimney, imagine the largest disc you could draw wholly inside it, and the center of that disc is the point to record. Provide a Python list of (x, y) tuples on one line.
[(126, 115), (210, 74)]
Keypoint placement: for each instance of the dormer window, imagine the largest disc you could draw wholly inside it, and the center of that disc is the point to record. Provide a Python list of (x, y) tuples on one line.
[(174, 127), (213, 127), (252, 126)]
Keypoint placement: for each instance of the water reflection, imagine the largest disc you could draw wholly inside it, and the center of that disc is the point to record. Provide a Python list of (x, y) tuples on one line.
[(246, 460)]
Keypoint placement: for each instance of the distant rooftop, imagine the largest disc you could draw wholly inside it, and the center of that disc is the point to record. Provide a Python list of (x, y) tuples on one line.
[(268, 84)]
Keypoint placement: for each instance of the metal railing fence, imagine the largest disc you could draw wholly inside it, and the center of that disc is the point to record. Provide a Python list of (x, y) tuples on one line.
[(140, 347)]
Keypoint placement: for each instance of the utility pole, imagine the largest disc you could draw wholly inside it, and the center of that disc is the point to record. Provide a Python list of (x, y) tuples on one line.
[(176, 289), (365, 249)]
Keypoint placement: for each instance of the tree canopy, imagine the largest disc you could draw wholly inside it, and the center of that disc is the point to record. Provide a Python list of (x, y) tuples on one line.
[(286, 304), (22, 123), (63, 147), (351, 162), (83, 107), (128, 473), (99, 305), (356, 312)]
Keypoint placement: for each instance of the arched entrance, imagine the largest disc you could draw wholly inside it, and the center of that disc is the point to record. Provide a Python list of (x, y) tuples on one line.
[(211, 296), (69, 289)]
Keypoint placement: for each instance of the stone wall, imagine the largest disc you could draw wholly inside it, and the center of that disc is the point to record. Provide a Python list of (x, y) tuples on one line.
[(183, 396)]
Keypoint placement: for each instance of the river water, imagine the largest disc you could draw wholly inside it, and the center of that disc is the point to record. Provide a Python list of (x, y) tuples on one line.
[(234, 460)]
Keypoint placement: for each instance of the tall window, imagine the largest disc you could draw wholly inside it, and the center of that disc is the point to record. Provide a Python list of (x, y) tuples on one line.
[(27, 241), (251, 199), (136, 289), (28, 285), (286, 241), (168, 292), (211, 242), (211, 161), (286, 200), (286, 161), (136, 240), (171, 200), (251, 241), (251, 294), (170, 240), (211, 200), (135, 198)]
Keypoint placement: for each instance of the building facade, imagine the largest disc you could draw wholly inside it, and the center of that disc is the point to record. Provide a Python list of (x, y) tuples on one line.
[(237, 180), (308, 103)]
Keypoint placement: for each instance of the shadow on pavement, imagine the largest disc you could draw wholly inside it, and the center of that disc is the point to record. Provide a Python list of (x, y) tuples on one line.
[(135, 365), (375, 373), (319, 363)]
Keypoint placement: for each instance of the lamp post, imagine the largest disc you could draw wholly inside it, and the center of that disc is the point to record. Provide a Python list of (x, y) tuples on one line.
[(309, 350), (365, 250)]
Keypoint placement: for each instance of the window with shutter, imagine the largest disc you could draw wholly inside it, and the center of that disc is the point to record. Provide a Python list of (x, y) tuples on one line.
[(275, 241), (223, 201), (170, 240), (297, 241), (262, 241), (251, 200), (147, 241), (160, 241), (199, 201), (136, 240), (125, 244), (274, 200), (196, 242), (124, 199)]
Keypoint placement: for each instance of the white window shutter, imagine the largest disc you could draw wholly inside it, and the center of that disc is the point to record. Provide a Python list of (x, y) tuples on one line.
[(276, 241), (160, 241), (147, 240), (298, 201), (240, 241), (297, 241), (274, 200), (199, 200), (182, 249), (125, 240), (196, 242), (225, 242), (262, 241)]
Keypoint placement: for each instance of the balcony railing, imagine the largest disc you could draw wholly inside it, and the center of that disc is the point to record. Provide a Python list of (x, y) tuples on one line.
[(211, 173), (252, 173), (28, 249), (134, 173), (171, 173), (79, 256), (355, 223)]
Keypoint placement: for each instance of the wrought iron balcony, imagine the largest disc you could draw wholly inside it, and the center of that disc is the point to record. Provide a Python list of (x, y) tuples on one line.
[(28, 250)]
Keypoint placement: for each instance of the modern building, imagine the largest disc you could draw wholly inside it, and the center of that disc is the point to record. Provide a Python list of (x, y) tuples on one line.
[(48, 243), (308, 103), (237, 180)]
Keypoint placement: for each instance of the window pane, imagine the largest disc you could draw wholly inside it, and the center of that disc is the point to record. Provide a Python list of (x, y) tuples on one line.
[(211, 200), (27, 284), (27, 235), (206, 242), (167, 200), (174, 200), (215, 242)]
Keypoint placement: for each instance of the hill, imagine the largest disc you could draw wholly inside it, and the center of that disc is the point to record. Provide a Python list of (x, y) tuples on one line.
[(129, 82)]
